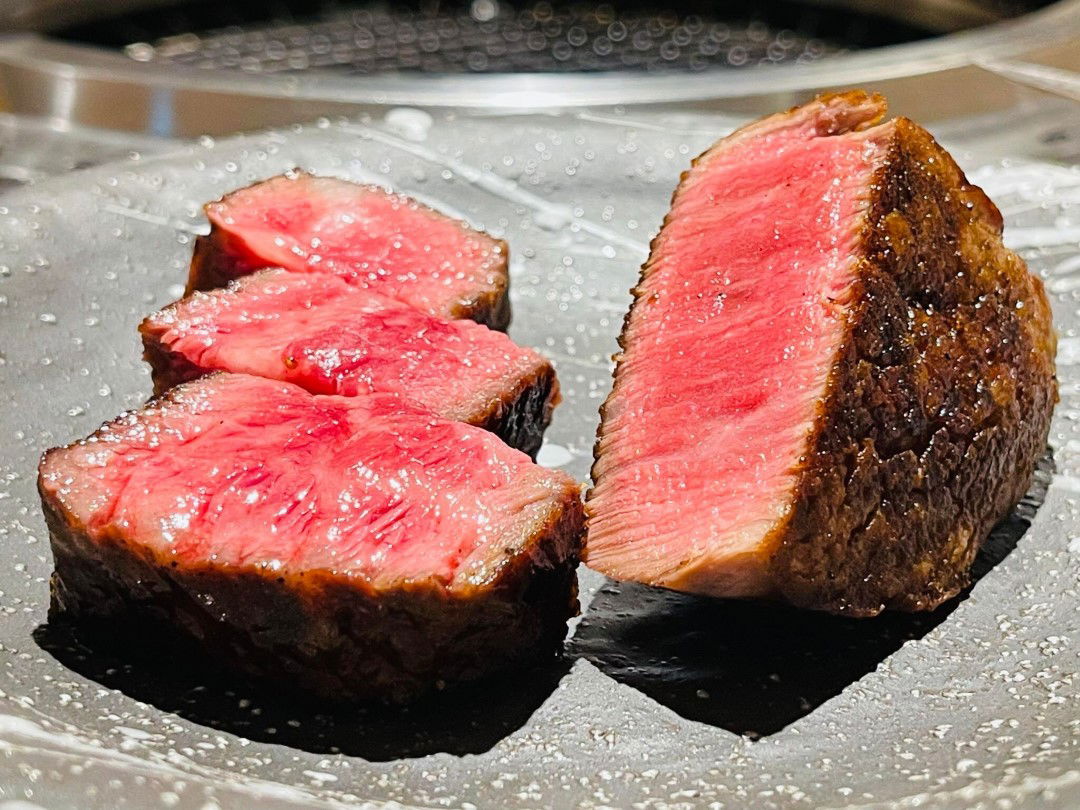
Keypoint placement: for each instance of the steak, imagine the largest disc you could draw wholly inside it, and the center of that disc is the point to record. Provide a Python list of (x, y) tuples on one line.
[(359, 547), (363, 234), (834, 378), (327, 336)]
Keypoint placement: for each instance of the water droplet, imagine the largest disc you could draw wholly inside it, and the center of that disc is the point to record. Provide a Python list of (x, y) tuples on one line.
[(409, 123)]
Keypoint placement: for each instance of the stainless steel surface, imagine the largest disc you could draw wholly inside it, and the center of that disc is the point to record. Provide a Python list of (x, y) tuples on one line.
[(33, 149), (1059, 82), (97, 87), (973, 706)]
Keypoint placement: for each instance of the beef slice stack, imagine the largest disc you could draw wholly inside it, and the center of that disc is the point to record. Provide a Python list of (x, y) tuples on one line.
[(320, 492)]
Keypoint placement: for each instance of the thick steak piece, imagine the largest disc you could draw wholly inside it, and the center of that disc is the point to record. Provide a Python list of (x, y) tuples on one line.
[(330, 337), (356, 546), (834, 379), (363, 234)]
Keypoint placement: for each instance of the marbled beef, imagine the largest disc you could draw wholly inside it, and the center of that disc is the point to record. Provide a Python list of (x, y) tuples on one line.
[(358, 546), (834, 377), (363, 234), (330, 337)]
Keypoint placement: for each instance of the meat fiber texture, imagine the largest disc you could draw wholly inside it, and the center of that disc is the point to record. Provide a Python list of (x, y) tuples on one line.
[(330, 337), (363, 234), (357, 546), (834, 379)]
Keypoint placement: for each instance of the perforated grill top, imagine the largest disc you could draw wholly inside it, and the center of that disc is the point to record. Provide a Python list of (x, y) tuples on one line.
[(488, 37)]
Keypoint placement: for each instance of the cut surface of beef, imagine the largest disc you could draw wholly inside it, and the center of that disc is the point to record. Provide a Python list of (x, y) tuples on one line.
[(356, 546), (363, 234), (834, 378), (330, 337)]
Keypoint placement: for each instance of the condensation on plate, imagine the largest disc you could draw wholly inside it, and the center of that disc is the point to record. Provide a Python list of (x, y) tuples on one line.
[(981, 709)]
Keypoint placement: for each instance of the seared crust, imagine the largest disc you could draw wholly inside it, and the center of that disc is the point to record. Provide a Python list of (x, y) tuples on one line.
[(168, 369), (328, 633), (219, 257), (521, 415), (492, 307), (938, 406), (215, 261)]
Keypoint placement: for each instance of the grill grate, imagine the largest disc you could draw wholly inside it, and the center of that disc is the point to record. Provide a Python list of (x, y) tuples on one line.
[(488, 38), (510, 36)]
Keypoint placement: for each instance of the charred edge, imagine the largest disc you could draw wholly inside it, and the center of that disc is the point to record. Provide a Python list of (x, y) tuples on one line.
[(551, 555), (522, 416), (895, 521), (491, 308), (850, 111), (214, 264), (336, 638), (167, 368)]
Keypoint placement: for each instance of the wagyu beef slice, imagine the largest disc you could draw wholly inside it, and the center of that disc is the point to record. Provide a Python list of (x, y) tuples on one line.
[(357, 546), (363, 234), (834, 378), (329, 337)]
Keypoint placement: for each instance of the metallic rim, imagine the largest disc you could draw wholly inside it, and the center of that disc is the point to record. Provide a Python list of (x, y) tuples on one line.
[(65, 62)]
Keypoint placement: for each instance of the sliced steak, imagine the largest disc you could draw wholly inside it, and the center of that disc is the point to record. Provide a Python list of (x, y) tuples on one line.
[(330, 337), (357, 546), (834, 378), (363, 234)]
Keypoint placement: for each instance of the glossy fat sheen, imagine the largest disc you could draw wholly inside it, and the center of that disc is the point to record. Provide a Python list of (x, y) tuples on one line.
[(862, 467), (363, 234), (330, 337), (359, 546)]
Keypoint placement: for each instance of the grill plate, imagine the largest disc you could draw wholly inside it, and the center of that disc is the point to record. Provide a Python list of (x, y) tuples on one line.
[(978, 710)]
